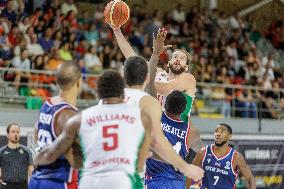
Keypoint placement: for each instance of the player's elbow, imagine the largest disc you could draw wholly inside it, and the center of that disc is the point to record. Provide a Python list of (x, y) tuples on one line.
[(155, 143)]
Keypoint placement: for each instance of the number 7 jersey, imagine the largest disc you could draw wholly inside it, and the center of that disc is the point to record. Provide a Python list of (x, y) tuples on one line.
[(219, 172), (111, 136)]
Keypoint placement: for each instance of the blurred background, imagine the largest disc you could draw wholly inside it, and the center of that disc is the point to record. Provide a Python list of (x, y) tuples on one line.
[(238, 63)]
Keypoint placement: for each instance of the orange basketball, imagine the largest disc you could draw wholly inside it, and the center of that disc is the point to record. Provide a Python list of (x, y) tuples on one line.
[(116, 13)]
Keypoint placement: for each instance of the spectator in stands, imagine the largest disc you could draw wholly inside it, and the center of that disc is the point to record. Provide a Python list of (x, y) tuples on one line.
[(179, 14), (232, 49), (65, 52), (38, 63), (92, 34), (34, 49), (218, 96), (22, 63), (92, 63), (9, 13), (24, 24), (46, 42), (55, 61), (117, 62), (245, 105), (69, 6)]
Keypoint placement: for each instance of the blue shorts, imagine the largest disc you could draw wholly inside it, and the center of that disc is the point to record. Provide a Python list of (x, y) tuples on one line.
[(50, 184), (163, 182)]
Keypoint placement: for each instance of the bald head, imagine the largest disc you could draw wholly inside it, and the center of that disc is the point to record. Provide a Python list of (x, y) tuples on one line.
[(68, 74)]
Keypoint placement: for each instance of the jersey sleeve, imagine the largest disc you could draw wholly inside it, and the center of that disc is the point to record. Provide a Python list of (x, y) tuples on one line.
[(186, 113)]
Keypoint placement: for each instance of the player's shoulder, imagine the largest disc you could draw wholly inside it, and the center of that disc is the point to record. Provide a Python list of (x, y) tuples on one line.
[(148, 100), (188, 76)]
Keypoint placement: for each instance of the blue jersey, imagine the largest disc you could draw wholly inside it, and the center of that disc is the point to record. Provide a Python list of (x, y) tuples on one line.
[(176, 133), (60, 169), (219, 172)]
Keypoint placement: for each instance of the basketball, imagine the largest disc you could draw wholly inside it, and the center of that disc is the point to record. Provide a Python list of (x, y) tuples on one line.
[(116, 13)]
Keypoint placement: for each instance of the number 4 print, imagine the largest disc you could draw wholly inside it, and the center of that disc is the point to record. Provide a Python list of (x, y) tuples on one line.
[(109, 131)]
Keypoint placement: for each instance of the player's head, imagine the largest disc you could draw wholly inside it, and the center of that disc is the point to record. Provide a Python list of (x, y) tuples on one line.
[(69, 77), (179, 61), (175, 103), (223, 134), (135, 71), (13, 133), (111, 85)]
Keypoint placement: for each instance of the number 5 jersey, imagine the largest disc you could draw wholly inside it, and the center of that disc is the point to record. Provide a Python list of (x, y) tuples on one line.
[(111, 136)]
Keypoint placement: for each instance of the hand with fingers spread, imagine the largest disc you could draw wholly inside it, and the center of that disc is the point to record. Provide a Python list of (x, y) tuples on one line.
[(159, 41)]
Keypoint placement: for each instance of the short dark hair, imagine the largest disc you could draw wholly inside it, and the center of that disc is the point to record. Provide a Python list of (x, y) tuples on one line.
[(135, 70), (10, 125), (110, 85), (68, 74), (229, 128), (175, 103)]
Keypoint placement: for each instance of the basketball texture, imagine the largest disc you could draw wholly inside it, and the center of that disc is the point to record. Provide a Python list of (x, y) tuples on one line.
[(116, 13)]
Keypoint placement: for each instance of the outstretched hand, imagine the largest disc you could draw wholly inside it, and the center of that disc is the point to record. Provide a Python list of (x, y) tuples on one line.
[(159, 41)]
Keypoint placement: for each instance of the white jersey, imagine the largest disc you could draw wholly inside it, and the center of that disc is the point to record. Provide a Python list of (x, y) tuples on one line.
[(111, 136), (133, 96), (162, 77)]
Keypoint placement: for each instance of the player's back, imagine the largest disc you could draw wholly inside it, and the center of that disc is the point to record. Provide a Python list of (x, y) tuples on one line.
[(176, 133), (59, 170), (111, 136), (219, 172)]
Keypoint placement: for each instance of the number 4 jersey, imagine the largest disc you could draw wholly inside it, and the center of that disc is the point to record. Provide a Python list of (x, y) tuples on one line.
[(176, 133), (111, 136), (219, 172), (60, 169)]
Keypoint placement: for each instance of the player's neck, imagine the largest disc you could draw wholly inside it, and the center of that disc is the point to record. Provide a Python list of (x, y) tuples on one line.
[(140, 87), (172, 116), (68, 96), (114, 100), (173, 76), (221, 149)]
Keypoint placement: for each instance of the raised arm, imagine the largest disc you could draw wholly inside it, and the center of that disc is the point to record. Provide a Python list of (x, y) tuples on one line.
[(161, 146), (158, 48), (245, 170), (123, 44), (62, 144), (184, 82)]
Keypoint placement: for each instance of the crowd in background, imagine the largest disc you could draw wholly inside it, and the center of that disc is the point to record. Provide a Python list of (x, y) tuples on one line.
[(41, 35)]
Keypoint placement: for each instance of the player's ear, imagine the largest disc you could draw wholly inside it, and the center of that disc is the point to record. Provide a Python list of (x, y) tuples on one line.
[(230, 137), (186, 68)]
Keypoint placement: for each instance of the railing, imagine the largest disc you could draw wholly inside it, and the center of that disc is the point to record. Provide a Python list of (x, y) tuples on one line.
[(212, 100)]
